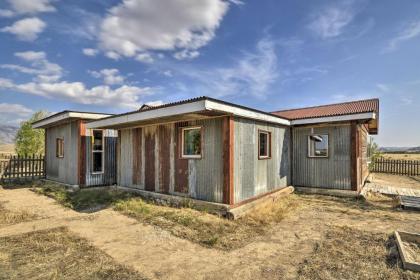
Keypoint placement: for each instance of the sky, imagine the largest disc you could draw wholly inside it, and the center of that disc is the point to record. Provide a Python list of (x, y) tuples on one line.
[(113, 56)]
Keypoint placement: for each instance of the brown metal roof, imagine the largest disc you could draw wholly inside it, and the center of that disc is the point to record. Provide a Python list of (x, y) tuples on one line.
[(339, 109)]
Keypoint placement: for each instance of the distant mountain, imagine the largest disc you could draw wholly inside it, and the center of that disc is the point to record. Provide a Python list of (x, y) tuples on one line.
[(400, 149), (7, 134)]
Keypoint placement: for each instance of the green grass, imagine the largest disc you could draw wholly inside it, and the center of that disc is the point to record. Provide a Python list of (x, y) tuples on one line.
[(195, 225), (81, 200)]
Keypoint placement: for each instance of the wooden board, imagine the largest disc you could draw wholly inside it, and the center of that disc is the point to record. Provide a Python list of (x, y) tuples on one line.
[(410, 202)]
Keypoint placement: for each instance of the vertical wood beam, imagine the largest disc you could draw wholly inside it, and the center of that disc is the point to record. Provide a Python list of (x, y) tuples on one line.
[(354, 156), (82, 153), (228, 160)]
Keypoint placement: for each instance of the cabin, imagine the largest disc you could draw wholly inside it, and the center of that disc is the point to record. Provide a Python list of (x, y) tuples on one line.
[(75, 155), (208, 149)]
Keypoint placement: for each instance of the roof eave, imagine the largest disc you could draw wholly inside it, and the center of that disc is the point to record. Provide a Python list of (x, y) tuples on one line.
[(341, 118), (67, 115), (186, 108)]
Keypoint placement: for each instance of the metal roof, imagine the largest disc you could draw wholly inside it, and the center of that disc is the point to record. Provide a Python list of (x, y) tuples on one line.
[(338, 109)]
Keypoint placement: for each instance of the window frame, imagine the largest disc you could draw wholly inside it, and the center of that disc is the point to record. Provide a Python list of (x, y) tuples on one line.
[(58, 141), (328, 145), (98, 151), (268, 133), (182, 155)]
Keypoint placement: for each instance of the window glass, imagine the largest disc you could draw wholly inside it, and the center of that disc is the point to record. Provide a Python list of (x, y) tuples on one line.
[(97, 151), (264, 144), (97, 162), (59, 147), (97, 140), (318, 145), (191, 142)]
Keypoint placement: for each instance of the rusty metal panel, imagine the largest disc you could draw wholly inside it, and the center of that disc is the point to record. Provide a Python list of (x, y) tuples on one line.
[(150, 164), (332, 172), (164, 137), (181, 165), (254, 176)]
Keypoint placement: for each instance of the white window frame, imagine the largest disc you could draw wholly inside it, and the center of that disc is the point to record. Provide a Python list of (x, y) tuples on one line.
[(57, 150), (309, 145), (201, 142), (268, 133), (98, 151)]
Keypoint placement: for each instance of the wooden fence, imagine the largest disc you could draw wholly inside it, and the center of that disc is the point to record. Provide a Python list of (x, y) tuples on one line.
[(394, 166), (22, 167)]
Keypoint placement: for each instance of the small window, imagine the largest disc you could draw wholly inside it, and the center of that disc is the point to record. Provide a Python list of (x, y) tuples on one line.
[(191, 142), (97, 151), (264, 144), (318, 145), (59, 147)]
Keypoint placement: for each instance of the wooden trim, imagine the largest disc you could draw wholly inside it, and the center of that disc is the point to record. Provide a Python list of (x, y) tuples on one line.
[(248, 200), (82, 153), (353, 156), (200, 156), (269, 144), (228, 160), (328, 148)]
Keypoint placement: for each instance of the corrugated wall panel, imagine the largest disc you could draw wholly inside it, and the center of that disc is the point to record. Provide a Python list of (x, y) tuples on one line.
[(64, 169), (108, 176), (253, 176), (331, 172), (163, 168)]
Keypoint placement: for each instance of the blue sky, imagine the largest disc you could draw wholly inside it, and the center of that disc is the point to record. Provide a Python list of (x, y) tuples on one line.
[(271, 55)]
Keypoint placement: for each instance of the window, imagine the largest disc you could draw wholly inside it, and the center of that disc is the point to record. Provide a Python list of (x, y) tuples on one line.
[(264, 144), (59, 147), (97, 151), (318, 145), (191, 142)]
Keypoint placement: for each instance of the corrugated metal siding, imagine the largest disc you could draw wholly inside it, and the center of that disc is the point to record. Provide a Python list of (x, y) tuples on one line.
[(205, 175), (108, 177), (64, 169), (253, 176), (332, 172)]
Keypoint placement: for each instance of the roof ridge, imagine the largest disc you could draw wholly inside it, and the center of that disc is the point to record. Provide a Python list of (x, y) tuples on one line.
[(326, 105)]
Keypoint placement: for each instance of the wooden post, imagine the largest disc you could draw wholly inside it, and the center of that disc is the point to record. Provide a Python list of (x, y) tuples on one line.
[(228, 160)]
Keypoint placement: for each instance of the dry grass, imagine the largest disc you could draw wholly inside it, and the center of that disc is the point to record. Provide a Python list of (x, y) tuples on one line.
[(7, 148), (207, 229), (403, 156), (57, 254), (13, 217), (198, 226), (347, 253)]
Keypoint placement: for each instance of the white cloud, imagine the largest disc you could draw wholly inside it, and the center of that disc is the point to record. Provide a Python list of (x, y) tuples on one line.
[(137, 26), (47, 83), (110, 76), (44, 70), (123, 96), (6, 13), (252, 73), (90, 52), (26, 29), (186, 54), (331, 21), (145, 57), (31, 6), (382, 87), (411, 31), (12, 114)]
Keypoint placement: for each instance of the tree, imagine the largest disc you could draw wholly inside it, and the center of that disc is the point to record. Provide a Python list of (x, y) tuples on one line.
[(29, 140), (373, 150)]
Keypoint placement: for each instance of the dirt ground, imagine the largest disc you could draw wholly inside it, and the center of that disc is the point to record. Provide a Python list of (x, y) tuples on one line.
[(411, 182), (284, 253)]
